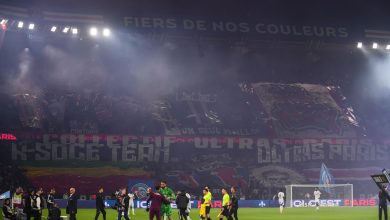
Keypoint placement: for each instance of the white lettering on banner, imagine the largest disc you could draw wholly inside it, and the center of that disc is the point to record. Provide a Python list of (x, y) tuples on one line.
[(147, 22), (158, 148), (237, 27), (246, 143), (306, 31), (42, 151), (216, 131), (314, 150), (312, 203), (195, 97), (145, 152), (142, 204), (199, 25)]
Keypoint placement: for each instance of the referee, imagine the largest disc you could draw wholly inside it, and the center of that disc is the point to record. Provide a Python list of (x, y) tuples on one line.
[(208, 197)]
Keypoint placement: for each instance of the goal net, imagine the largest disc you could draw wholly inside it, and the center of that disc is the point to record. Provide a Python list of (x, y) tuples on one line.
[(331, 195)]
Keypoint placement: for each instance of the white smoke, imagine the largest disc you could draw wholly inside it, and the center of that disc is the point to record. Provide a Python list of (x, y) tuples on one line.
[(378, 74), (21, 79)]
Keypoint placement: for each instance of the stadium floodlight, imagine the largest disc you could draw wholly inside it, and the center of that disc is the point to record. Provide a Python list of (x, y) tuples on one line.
[(75, 31), (359, 45), (388, 47), (20, 24), (106, 32), (65, 30), (53, 29), (31, 26), (375, 46), (93, 31)]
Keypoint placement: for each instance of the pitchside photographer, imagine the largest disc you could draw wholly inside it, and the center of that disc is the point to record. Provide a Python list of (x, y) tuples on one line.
[(7, 210), (50, 202), (122, 203), (383, 202)]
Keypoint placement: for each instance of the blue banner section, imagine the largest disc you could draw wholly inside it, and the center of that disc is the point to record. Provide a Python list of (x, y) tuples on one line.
[(194, 203), (242, 203)]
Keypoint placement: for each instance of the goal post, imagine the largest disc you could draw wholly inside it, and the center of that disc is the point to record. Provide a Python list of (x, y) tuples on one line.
[(332, 195)]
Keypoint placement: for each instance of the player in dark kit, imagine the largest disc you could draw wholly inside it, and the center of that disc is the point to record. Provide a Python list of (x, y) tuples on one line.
[(182, 203), (28, 204), (383, 202), (100, 204), (157, 201), (37, 204), (55, 213), (234, 203)]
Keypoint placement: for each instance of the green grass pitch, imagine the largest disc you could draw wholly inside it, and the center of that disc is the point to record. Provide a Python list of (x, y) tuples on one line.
[(340, 213)]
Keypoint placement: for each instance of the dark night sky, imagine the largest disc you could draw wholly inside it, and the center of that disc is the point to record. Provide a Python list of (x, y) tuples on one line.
[(348, 11)]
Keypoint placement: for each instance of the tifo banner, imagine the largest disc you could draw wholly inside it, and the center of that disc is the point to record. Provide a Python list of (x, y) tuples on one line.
[(167, 149), (260, 110), (299, 110), (187, 162)]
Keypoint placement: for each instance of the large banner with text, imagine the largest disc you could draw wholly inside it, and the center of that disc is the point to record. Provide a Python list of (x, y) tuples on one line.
[(191, 162)]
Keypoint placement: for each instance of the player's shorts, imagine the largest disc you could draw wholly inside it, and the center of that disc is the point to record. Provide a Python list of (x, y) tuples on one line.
[(202, 211), (166, 210), (225, 211), (208, 208), (281, 202), (317, 201)]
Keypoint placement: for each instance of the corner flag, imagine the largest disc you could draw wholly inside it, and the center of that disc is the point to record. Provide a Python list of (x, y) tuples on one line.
[(326, 178), (5, 195)]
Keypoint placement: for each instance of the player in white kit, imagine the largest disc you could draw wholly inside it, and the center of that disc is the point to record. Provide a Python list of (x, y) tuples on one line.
[(131, 203), (188, 210), (317, 196), (281, 201)]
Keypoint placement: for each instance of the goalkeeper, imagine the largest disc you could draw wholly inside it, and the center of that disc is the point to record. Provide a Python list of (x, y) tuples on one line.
[(170, 196)]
